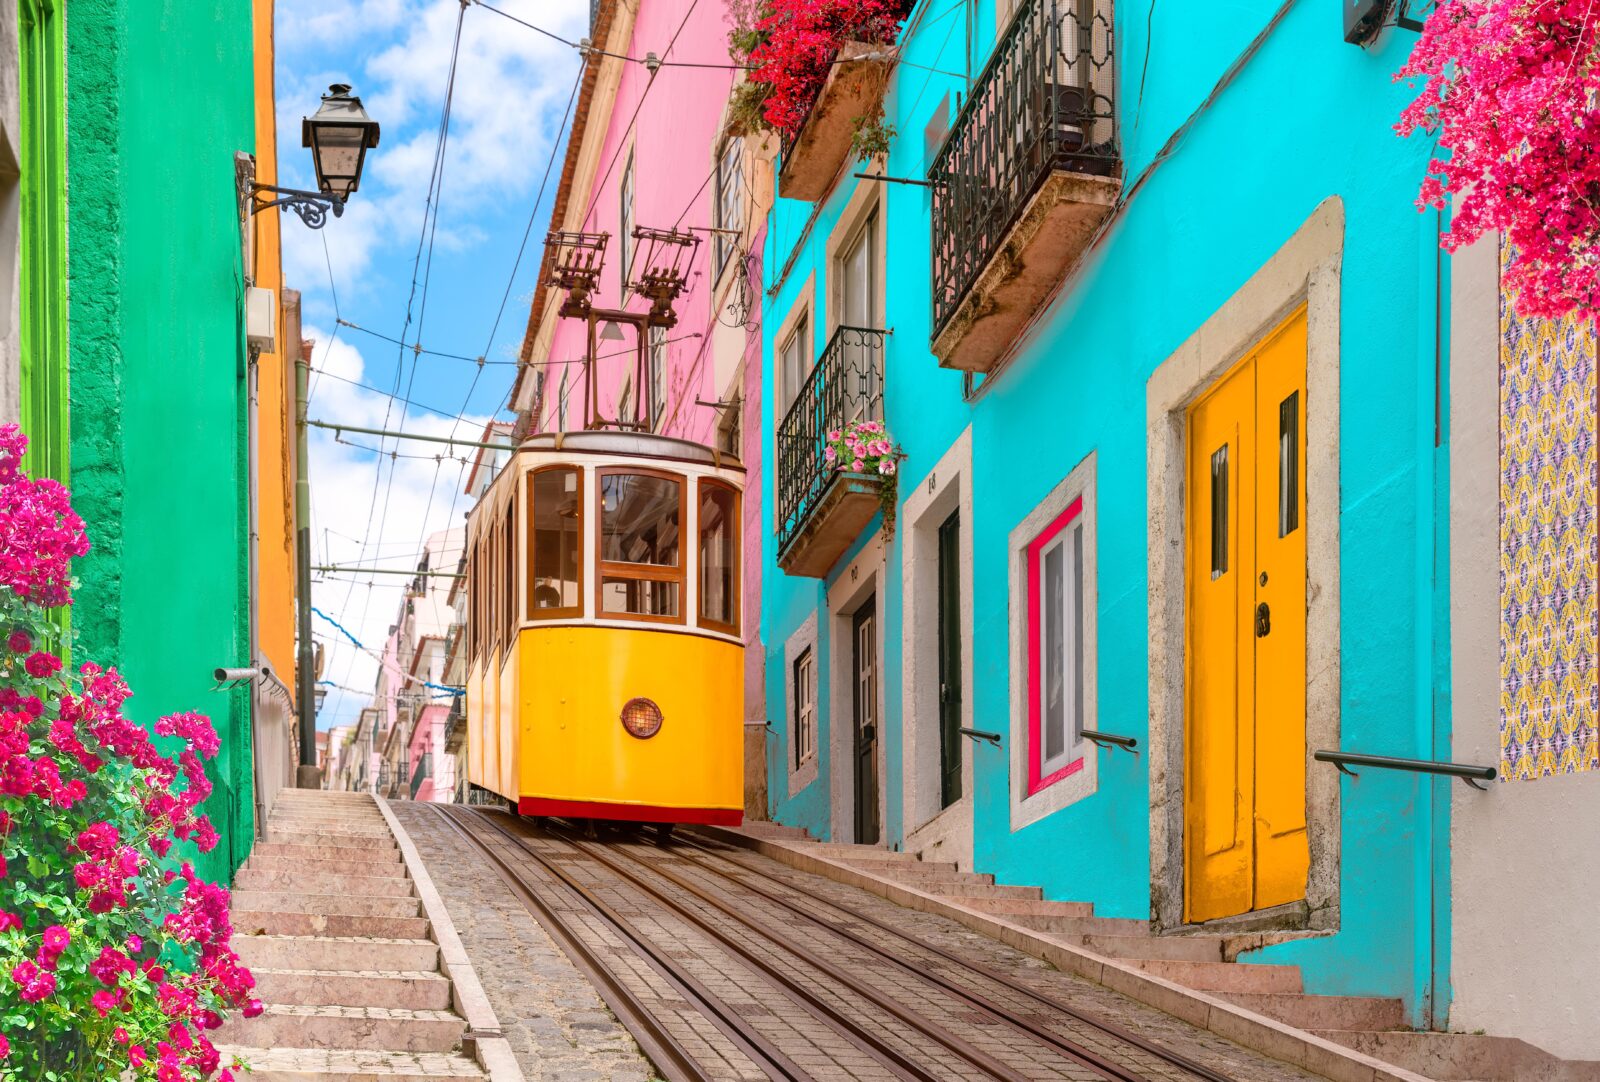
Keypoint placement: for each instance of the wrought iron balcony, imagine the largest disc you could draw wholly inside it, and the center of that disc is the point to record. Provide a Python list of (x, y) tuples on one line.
[(1025, 177), (821, 510), (423, 772)]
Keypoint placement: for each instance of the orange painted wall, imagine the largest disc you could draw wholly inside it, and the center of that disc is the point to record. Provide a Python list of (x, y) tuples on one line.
[(275, 391)]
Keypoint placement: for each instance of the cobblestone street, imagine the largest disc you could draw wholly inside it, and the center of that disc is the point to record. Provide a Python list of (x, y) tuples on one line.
[(554, 1020), (560, 1029)]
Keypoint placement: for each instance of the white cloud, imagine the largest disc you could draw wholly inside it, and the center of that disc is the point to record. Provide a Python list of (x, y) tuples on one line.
[(511, 86), (419, 495)]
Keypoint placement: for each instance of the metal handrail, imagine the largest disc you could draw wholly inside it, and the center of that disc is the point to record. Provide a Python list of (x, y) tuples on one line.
[(1471, 775), (846, 385), (1042, 103), (1112, 740)]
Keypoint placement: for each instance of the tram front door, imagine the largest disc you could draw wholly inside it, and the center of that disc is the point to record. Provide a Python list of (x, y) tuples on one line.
[(864, 672)]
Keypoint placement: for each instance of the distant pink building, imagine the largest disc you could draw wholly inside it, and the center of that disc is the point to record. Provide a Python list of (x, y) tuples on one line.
[(657, 157)]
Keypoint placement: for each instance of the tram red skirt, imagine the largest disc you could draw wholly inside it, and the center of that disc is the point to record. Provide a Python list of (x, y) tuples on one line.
[(638, 813)]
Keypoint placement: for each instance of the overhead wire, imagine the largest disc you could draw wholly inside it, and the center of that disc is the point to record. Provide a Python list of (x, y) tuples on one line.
[(429, 212)]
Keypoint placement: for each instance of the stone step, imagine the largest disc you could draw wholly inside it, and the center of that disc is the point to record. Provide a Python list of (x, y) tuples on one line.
[(344, 854), (388, 869), (1223, 976), (332, 1065), (1014, 908), (344, 905), (348, 954), (365, 820), (303, 880), (247, 922), (1176, 948), (762, 828), (375, 1028), (394, 989), (368, 842), (847, 853), (964, 890), (1466, 1056), (360, 834), (885, 866), (915, 872), (1324, 1012), (1080, 926)]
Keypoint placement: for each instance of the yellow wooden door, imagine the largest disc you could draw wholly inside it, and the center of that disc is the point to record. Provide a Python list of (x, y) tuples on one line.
[(1245, 816)]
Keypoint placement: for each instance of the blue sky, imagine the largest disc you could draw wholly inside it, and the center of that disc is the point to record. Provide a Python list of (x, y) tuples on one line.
[(511, 88)]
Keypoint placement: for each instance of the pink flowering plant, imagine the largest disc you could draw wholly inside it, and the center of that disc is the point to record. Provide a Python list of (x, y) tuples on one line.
[(1511, 88), (865, 447), (114, 956)]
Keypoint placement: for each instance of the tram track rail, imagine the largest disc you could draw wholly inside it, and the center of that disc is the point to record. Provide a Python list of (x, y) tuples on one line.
[(1043, 999), (765, 949), (663, 1049)]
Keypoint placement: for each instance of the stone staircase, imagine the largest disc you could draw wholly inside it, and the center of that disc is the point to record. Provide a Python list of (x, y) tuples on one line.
[(1371, 1026), (326, 916)]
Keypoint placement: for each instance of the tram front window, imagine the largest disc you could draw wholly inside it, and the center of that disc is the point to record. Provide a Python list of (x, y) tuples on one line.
[(641, 541), (556, 546)]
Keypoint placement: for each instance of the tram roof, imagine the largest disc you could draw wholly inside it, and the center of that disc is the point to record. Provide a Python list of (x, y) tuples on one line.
[(640, 444)]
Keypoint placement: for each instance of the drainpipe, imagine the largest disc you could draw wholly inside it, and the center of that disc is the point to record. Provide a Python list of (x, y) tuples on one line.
[(308, 776)]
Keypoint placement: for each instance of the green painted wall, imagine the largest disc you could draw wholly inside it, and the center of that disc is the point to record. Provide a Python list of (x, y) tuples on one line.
[(159, 99)]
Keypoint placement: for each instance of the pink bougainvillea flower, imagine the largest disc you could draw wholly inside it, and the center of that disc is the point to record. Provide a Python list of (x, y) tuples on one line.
[(41, 664), (20, 642), (1511, 90)]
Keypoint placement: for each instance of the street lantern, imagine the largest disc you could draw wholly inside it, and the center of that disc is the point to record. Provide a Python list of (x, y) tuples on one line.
[(339, 136)]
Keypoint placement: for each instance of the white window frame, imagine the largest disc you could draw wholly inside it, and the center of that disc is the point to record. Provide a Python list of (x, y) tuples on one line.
[(656, 359), (1072, 744), (800, 335), (728, 209), (1029, 807), (805, 707), (802, 770), (625, 192)]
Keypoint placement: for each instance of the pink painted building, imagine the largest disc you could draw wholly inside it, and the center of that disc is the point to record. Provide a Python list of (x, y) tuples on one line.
[(650, 150)]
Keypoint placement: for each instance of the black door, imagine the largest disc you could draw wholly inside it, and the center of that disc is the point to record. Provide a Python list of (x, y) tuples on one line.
[(950, 660), (864, 673)]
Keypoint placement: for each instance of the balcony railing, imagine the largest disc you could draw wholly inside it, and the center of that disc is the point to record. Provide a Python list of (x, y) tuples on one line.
[(1042, 104), (423, 772), (846, 385)]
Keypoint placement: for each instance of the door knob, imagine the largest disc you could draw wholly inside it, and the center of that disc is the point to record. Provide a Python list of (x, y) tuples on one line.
[(1263, 620)]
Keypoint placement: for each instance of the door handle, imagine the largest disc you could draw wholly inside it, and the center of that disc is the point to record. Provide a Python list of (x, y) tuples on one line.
[(1263, 620)]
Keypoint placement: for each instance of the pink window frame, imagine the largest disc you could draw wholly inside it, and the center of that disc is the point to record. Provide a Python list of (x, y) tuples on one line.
[(1035, 651)]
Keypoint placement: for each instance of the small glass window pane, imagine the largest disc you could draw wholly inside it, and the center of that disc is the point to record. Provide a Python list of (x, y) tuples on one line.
[(640, 597), (1052, 604), (639, 519), (555, 548), (1219, 512), (805, 706), (719, 599), (1289, 465)]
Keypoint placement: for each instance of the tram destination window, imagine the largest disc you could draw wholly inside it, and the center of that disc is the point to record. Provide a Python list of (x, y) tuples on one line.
[(719, 556), (555, 544), (641, 545)]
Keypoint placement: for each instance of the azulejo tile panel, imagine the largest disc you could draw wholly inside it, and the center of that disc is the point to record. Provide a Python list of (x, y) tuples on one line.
[(1549, 550)]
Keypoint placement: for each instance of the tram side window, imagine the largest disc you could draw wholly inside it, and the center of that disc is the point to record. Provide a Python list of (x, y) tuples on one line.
[(508, 573), (719, 556), (555, 543), (641, 543)]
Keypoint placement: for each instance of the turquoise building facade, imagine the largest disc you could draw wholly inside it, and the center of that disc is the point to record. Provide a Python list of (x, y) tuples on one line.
[(1243, 197)]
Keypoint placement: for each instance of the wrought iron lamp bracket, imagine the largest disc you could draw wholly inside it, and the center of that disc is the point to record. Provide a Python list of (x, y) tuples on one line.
[(312, 207)]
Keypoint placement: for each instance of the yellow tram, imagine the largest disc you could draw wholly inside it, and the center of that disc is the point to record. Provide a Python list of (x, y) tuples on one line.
[(606, 668)]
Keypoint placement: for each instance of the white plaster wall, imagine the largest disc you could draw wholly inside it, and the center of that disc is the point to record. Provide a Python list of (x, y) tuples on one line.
[(1525, 856)]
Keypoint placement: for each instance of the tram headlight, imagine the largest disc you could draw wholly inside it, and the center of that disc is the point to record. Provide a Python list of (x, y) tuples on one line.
[(641, 717)]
